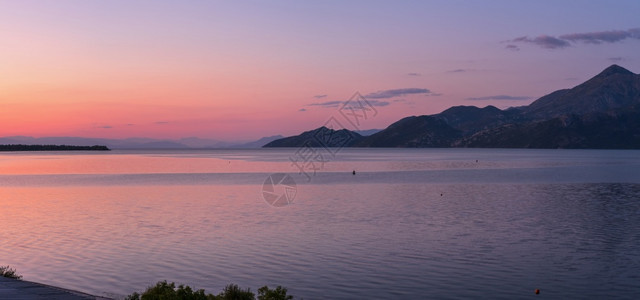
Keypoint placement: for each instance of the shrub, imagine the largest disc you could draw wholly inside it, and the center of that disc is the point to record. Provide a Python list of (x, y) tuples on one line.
[(279, 293), (168, 291), (9, 272), (233, 292)]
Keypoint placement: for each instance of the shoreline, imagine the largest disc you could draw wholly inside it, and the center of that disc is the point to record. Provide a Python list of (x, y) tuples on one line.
[(11, 288)]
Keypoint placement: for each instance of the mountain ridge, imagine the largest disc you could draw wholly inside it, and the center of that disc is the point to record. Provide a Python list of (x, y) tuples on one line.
[(602, 112)]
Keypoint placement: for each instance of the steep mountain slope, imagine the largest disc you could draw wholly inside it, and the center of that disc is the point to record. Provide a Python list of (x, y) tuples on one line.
[(613, 89), (422, 131)]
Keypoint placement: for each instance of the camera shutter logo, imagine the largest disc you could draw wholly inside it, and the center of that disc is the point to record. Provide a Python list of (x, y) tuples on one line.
[(279, 189)]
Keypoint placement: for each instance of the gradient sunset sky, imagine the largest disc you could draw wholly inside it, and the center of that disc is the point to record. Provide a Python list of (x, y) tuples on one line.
[(237, 70)]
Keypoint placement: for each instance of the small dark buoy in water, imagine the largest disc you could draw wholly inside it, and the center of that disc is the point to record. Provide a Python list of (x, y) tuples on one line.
[(476, 160), (537, 291), (354, 172), (440, 195)]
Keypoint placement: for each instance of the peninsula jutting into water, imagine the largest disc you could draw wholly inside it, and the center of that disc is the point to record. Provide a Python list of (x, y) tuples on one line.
[(52, 148)]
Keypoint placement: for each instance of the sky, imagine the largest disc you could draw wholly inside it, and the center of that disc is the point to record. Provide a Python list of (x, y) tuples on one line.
[(241, 70)]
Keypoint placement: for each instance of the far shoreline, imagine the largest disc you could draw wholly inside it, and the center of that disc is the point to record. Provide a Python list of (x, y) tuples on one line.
[(20, 148)]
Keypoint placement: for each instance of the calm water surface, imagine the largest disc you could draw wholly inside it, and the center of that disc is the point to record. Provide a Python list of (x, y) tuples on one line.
[(412, 224)]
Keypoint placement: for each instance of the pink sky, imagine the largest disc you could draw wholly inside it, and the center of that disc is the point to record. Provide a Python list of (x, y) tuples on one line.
[(236, 71)]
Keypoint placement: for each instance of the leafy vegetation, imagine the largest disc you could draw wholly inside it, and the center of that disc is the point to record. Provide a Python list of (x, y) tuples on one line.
[(168, 291), (51, 148), (279, 293), (9, 272)]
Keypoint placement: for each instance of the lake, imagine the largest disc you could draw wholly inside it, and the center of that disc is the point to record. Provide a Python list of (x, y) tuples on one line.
[(410, 224)]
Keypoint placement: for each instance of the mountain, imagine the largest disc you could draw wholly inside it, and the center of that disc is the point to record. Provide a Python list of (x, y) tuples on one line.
[(259, 143), (603, 112), (194, 142), (320, 137), (591, 131), (368, 132), (471, 119), (422, 131), (614, 88)]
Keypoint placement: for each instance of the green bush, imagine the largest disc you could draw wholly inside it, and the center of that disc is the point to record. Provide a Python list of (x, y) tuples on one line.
[(233, 292), (9, 272), (279, 293), (168, 291)]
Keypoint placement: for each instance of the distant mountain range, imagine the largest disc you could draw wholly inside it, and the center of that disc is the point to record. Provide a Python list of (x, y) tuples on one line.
[(136, 143), (602, 113)]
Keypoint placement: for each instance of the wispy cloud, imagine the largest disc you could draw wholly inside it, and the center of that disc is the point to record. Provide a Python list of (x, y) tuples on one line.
[(512, 47), (320, 96), (458, 71), (384, 94), (105, 127), (378, 98), (327, 103), (544, 41), (378, 103), (414, 74), (500, 97), (600, 37), (616, 59), (372, 102), (161, 123), (566, 40)]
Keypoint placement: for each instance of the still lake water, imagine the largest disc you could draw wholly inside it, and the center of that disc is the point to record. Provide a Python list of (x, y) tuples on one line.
[(411, 224)]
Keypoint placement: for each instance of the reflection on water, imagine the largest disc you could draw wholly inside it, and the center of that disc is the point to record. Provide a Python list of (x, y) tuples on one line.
[(384, 233)]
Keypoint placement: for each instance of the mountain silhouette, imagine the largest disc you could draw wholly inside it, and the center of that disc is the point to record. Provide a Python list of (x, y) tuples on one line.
[(603, 112)]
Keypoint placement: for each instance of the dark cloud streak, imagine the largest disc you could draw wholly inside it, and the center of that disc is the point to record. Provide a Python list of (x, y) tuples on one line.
[(512, 47), (396, 92), (600, 37), (329, 104), (544, 41), (500, 97), (566, 40)]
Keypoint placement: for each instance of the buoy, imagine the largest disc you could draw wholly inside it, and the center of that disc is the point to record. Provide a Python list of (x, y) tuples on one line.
[(440, 195), (354, 172), (537, 291)]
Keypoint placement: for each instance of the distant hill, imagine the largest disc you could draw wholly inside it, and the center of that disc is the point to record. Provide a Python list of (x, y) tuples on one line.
[(603, 112), (259, 143), (320, 137)]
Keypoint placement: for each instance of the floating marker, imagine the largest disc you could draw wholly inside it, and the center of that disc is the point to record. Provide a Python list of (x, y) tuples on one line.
[(537, 291)]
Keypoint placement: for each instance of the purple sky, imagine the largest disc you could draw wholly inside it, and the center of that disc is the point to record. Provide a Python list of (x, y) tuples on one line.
[(247, 69)]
